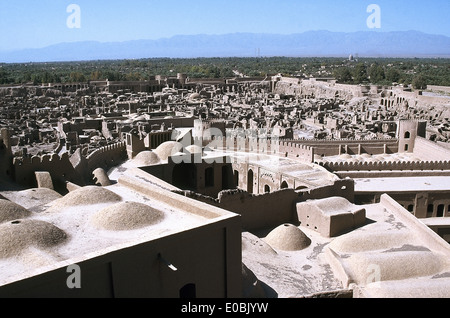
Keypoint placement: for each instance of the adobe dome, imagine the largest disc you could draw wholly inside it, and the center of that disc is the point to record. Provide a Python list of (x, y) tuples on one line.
[(195, 96), (126, 216), (288, 237), (86, 196), (11, 211), (167, 149), (345, 156), (363, 242), (33, 197), (147, 158), (194, 149), (15, 236)]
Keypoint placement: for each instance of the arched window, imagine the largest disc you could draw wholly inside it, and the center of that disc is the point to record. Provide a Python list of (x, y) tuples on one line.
[(440, 210), (236, 178), (209, 177), (188, 291), (266, 189), (284, 185), (407, 135), (250, 181)]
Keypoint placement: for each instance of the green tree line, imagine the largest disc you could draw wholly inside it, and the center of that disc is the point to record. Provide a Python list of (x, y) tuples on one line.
[(379, 71)]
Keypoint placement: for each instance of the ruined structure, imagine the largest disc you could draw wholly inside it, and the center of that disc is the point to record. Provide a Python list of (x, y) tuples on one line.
[(182, 187)]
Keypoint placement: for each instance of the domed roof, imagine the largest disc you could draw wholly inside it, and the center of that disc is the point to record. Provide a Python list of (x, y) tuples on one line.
[(288, 237), (11, 211), (147, 158), (126, 216), (195, 96), (17, 235), (86, 196), (167, 149), (194, 149)]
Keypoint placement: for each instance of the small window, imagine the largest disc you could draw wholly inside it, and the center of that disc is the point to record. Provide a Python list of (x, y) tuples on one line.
[(406, 147), (440, 210), (407, 135), (266, 189), (410, 208), (430, 210), (188, 291), (209, 177)]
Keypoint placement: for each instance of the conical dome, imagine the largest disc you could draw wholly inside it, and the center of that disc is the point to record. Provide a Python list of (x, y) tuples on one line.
[(288, 237), (85, 196), (126, 216), (147, 158), (167, 149), (17, 235), (11, 211)]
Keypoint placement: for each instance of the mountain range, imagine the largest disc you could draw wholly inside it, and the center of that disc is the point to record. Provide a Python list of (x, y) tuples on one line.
[(307, 44)]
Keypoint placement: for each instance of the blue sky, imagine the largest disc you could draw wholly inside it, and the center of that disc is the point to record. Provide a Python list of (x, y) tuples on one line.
[(39, 23)]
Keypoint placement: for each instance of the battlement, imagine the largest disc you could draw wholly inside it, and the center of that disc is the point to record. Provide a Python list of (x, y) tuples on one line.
[(59, 167), (342, 140), (261, 145), (106, 156), (210, 121), (106, 149), (387, 166), (44, 159)]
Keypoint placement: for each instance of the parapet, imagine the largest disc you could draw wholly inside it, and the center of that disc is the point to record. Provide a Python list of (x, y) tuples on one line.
[(331, 216), (384, 165)]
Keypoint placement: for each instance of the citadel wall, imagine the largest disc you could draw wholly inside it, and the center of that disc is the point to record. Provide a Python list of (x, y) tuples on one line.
[(107, 156), (6, 168), (263, 211), (313, 88), (428, 150), (59, 167)]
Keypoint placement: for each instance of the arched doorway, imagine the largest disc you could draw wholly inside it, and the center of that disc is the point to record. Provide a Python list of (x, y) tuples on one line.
[(236, 178), (188, 291), (184, 176), (250, 181)]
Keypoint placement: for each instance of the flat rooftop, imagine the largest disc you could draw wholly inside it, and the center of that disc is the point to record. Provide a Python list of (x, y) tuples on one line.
[(91, 221), (394, 157), (403, 184), (393, 255), (310, 173)]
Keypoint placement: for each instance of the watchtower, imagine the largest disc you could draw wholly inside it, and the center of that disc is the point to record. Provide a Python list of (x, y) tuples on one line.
[(407, 132)]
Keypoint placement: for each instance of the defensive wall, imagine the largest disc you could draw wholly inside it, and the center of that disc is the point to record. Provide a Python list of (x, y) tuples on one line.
[(284, 148), (316, 88), (6, 169), (335, 147), (435, 88), (63, 168), (381, 169), (60, 168), (107, 156), (262, 211), (305, 149), (428, 150)]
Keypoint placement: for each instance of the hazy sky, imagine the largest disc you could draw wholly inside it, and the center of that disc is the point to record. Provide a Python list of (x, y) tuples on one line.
[(39, 23)]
